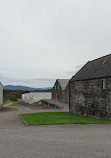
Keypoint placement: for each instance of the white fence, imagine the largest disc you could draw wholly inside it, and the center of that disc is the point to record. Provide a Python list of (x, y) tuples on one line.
[(34, 97)]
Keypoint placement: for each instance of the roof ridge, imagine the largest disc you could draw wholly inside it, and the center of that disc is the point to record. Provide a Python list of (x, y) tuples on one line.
[(62, 79), (100, 57), (96, 68), (99, 68), (63, 83), (81, 69)]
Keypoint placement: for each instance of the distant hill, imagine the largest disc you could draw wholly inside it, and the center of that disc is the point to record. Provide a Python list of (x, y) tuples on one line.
[(24, 88)]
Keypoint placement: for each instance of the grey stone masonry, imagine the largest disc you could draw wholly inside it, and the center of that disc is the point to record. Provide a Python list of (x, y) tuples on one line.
[(60, 90), (57, 90), (91, 97), (67, 94), (1, 94)]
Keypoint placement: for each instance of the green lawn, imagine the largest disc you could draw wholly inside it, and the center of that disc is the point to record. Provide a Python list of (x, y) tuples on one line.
[(35, 102), (54, 118), (6, 102), (15, 103)]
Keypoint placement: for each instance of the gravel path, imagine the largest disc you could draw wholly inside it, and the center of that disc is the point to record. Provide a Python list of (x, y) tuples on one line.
[(7, 105), (55, 141)]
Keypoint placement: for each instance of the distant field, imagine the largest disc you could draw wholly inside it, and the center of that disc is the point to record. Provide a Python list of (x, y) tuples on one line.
[(54, 118)]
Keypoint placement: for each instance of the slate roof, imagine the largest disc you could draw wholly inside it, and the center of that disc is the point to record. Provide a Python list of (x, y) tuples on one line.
[(63, 83), (97, 68)]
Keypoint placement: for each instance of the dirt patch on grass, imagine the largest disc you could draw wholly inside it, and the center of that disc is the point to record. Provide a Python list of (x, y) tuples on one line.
[(5, 109), (35, 106)]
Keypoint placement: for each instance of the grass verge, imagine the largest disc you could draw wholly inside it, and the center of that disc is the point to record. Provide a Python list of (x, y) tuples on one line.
[(54, 118), (6, 102), (15, 103), (35, 102)]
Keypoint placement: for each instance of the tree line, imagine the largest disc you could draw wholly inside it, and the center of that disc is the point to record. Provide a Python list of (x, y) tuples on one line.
[(13, 95)]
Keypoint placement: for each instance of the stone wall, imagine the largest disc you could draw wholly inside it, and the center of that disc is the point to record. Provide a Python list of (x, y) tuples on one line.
[(91, 98), (67, 94), (34, 97), (57, 89), (1, 94), (63, 95)]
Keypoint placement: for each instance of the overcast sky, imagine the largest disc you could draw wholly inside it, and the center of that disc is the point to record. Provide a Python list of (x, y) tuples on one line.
[(51, 38)]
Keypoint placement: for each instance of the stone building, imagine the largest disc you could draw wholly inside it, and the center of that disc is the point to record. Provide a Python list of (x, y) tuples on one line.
[(60, 91), (90, 89), (67, 94), (1, 94)]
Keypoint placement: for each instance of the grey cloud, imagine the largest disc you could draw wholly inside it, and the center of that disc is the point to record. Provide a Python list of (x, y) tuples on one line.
[(36, 83), (47, 39)]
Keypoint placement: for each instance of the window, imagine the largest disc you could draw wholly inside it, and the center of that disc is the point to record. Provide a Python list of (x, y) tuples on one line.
[(103, 84)]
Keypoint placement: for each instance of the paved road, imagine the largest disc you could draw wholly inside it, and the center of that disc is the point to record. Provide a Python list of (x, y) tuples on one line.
[(60, 141)]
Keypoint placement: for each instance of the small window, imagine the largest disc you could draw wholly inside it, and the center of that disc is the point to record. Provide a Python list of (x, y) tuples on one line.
[(103, 84)]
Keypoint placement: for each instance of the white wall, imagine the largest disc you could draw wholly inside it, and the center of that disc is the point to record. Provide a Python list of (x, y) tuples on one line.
[(34, 97)]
